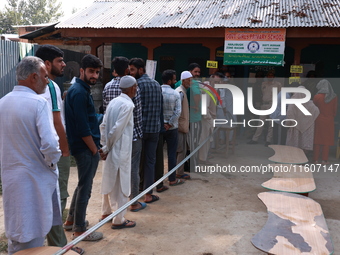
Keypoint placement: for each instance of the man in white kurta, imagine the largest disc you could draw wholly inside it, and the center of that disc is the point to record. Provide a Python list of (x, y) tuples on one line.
[(116, 138), (29, 152)]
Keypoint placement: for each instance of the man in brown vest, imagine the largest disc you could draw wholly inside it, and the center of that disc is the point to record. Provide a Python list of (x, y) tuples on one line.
[(183, 123)]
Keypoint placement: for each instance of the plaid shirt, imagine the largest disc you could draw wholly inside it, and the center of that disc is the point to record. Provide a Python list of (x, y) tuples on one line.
[(171, 106), (112, 91), (152, 103)]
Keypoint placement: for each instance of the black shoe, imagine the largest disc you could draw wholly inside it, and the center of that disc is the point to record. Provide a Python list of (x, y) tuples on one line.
[(267, 143), (252, 142)]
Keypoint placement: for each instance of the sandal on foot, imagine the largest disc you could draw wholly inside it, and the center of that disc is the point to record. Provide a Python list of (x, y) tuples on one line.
[(68, 225), (124, 225), (78, 250), (183, 176), (154, 198), (178, 182), (104, 216), (94, 236), (164, 188), (142, 206)]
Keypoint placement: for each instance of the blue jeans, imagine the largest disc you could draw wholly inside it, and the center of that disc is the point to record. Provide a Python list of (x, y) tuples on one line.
[(135, 161), (150, 141), (171, 139), (87, 164)]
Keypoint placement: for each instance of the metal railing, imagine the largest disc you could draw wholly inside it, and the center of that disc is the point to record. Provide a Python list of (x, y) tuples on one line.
[(119, 210), (9, 58)]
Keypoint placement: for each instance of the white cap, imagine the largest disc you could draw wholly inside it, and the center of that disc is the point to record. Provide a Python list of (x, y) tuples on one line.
[(185, 75), (127, 81)]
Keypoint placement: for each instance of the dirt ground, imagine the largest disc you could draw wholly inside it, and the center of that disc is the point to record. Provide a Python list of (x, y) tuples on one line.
[(211, 214)]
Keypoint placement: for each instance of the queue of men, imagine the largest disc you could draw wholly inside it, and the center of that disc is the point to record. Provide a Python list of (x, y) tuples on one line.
[(40, 138), (38, 132), (140, 116)]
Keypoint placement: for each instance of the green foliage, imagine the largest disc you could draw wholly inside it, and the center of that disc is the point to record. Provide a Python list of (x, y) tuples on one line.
[(65, 214), (41, 11), (12, 15), (28, 12), (5, 25), (73, 161), (74, 10), (3, 243)]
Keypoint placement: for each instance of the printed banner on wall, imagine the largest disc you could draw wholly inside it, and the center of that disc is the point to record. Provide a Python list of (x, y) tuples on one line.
[(254, 46)]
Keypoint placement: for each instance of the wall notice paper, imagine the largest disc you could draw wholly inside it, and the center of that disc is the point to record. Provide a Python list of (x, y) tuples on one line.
[(294, 79), (296, 69), (212, 64), (150, 68), (254, 46)]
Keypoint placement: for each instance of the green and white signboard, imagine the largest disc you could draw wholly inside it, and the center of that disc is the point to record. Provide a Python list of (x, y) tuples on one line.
[(254, 47)]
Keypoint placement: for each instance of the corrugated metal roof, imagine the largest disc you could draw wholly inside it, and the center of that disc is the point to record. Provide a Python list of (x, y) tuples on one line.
[(206, 14), (41, 31)]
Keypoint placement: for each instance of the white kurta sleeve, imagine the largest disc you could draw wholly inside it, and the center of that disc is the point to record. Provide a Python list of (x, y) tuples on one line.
[(116, 131), (49, 146), (102, 129)]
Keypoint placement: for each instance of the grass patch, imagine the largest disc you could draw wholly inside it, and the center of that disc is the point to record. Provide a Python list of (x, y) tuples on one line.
[(73, 161), (65, 213), (3, 243)]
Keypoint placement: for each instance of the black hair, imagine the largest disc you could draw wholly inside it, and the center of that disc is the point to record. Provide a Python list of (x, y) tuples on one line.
[(192, 66), (220, 75), (311, 74), (259, 74), (168, 75), (138, 63), (90, 61), (120, 64), (272, 72), (49, 52)]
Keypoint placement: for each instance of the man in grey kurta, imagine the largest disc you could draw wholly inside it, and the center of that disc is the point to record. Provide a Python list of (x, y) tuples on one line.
[(29, 152)]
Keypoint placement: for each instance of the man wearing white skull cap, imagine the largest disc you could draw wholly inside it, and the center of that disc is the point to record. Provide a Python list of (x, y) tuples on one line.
[(116, 138)]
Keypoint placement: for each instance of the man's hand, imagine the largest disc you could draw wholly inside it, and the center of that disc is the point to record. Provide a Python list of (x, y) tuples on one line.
[(167, 126), (103, 155), (94, 152), (65, 153), (90, 144)]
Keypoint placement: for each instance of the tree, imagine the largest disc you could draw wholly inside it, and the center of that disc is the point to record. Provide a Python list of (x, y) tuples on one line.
[(41, 11), (11, 16), (6, 24), (74, 10), (28, 12)]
